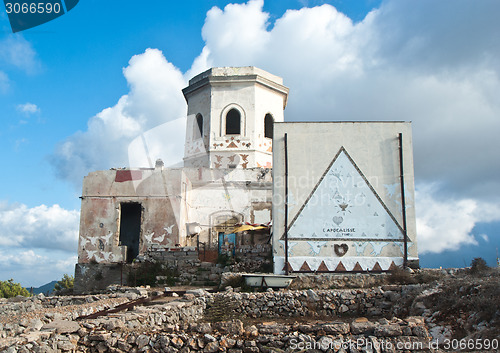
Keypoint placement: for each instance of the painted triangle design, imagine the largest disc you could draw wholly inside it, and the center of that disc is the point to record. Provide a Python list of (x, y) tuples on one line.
[(393, 266), (322, 267), (232, 145), (344, 205), (377, 267), (357, 267), (340, 267), (305, 267), (290, 269)]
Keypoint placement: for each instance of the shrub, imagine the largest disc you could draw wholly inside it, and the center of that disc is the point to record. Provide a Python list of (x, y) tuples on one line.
[(478, 266), (9, 289)]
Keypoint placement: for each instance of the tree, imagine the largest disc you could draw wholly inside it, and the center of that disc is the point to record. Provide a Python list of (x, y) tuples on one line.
[(65, 285), (9, 289), (478, 265)]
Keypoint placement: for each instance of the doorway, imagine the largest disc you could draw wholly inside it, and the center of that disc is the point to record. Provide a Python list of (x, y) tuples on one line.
[(130, 228)]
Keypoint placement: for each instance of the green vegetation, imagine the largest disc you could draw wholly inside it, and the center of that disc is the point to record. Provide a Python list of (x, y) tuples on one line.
[(9, 289), (65, 285)]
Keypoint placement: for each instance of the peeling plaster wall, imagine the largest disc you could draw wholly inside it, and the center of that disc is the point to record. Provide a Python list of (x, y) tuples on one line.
[(170, 198), (344, 196), (157, 191)]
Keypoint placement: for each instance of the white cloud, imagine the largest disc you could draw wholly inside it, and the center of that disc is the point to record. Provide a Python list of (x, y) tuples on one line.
[(37, 245), (35, 267), (18, 52), (28, 108), (448, 224), (155, 97), (42, 227), (405, 61)]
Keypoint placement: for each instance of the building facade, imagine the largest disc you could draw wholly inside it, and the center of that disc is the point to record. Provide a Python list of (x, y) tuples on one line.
[(342, 186), (226, 179), (341, 192)]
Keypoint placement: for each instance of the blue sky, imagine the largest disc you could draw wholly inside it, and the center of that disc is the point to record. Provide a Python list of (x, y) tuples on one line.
[(75, 91)]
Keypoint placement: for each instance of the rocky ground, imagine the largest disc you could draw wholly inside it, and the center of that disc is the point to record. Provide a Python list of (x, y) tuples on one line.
[(452, 311)]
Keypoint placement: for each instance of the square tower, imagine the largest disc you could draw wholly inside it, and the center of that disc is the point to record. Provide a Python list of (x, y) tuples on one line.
[(231, 112)]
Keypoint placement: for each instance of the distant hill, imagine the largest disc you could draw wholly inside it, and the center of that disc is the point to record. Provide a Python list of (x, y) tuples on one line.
[(46, 288)]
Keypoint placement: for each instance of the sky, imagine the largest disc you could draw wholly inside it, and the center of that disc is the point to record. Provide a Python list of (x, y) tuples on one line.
[(76, 91)]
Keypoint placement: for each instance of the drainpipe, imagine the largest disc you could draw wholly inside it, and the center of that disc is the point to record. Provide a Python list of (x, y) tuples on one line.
[(403, 201), (286, 205)]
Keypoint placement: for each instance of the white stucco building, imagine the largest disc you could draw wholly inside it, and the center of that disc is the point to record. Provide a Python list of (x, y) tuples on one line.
[(343, 187)]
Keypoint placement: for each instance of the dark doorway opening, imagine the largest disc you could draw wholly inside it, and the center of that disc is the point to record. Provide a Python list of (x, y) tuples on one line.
[(130, 228)]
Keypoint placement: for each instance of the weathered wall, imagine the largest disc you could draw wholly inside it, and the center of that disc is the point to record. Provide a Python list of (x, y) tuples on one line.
[(169, 198), (345, 209), (104, 192)]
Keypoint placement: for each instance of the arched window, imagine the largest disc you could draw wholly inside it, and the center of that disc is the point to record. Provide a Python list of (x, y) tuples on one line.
[(268, 126), (233, 122), (198, 127)]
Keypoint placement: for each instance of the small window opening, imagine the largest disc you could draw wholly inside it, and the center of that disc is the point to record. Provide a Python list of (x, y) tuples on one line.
[(268, 126), (198, 127), (233, 122)]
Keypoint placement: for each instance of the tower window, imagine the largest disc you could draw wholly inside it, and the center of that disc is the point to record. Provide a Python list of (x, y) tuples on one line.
[(268, 126), (198, 127), (233, 122)]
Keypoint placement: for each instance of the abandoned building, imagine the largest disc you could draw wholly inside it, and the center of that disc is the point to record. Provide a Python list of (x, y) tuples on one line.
[(339, 185)]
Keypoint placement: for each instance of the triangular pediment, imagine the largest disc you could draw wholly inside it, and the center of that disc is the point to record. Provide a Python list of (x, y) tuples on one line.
[(344, 205)]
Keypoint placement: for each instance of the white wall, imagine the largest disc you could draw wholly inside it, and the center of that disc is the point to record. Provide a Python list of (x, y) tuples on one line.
[(344, 195)]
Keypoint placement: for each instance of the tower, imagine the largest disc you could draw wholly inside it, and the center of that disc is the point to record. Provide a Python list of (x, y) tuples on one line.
[(231, 111)]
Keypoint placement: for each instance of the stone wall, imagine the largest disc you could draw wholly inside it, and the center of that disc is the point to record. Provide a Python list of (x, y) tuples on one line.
[(187, 324)]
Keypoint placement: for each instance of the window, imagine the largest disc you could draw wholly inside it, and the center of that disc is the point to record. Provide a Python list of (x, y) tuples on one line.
[(268, 126), (198, 127), (233, 122)]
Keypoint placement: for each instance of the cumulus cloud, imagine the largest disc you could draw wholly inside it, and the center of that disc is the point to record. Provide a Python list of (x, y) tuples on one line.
[(35, 267), (155, 97), (448, 224), (43, 227), (28, 108), (404, 61), (37, 244)]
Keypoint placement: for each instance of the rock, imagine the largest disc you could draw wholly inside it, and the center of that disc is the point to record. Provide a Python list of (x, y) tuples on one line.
[(66, 345), (358, 328), (252, 331), (420, 331), (234, 327), (211, 347), (391, 330), (202, 327), (312, 296), (35, 325), (196, 292), (177, 342), (17, 299), (141, 341), (209, 338), (343, 308), (62, 326), (336, 328)]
